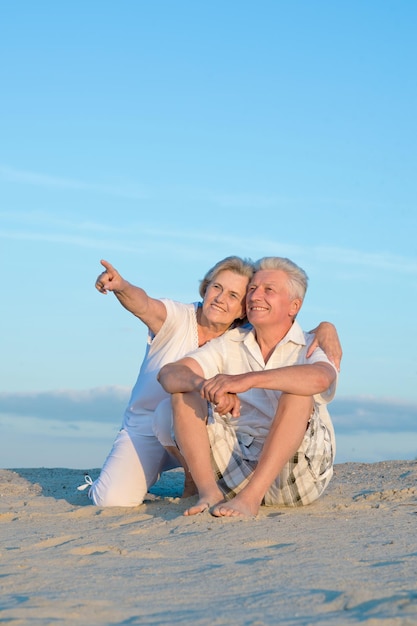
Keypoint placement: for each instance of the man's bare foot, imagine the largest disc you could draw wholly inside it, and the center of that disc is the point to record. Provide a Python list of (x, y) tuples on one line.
[(238, 507), (205, 501)]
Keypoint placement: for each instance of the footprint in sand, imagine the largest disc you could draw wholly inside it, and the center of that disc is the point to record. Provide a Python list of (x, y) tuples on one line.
[(54, 542), (8, 517), (264, 543), (389, 495), (95, 550)]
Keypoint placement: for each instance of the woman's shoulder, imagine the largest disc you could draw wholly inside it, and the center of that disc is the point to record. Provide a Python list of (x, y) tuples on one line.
[(181, 307)]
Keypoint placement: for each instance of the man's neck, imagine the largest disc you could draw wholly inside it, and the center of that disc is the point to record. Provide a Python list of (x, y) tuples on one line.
[(269, 337)]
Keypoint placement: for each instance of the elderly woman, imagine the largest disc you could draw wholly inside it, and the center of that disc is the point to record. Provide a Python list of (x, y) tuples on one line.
[(138, 457)]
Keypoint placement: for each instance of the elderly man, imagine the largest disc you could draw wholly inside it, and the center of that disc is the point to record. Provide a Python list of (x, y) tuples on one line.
[(250, 414)]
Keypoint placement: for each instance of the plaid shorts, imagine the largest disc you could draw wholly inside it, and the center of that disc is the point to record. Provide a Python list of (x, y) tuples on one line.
[(302, 480)]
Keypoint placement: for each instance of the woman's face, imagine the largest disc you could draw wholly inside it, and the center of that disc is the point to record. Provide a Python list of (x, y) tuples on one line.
[(224, 300)]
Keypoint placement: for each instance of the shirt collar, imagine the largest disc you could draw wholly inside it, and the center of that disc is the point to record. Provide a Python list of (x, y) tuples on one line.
[(295, 335)]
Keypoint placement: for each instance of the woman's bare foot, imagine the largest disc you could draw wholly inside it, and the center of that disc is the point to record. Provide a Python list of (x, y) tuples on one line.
[(189, 486), (205, 501), (199, 507), (238, 507)]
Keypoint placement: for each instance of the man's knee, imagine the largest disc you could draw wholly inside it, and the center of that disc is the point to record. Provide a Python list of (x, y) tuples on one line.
[(301, 405), (189, 402)]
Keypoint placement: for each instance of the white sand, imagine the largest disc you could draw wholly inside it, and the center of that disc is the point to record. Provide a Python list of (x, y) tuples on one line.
[(350, 558)]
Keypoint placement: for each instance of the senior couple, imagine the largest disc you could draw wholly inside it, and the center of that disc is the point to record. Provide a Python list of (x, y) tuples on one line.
[(242, 407)]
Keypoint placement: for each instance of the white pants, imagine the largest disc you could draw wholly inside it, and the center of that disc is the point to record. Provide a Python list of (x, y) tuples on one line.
[(135, 462), (162, 423)]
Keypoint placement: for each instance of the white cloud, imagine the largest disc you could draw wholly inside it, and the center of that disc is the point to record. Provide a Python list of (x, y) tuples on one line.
[(362, 414), (76, 428), (107, 404), (102, 404)]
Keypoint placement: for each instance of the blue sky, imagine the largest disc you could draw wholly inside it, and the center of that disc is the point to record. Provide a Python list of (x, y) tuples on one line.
[(164, 136)]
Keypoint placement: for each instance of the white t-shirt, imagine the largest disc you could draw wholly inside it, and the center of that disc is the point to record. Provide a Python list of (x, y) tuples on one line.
[(177, 336), (238, 352)]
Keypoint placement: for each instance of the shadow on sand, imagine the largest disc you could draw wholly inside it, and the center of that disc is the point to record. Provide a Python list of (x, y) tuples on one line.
[(62, 484)]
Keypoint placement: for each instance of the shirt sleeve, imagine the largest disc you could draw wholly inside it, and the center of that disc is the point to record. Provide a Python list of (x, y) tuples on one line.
[(326, 396), (209, 357)]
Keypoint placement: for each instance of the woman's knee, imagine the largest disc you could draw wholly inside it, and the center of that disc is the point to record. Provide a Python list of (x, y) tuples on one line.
[(112, 494), (162, 424)]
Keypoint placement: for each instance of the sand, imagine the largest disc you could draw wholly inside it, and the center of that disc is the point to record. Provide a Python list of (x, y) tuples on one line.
[(350, 558)]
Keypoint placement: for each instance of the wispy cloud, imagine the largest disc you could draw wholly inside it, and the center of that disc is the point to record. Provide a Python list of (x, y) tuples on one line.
[(259, 201), (86, 235), (25, 177), (249, 201), (48, 220), (47, 227), (378, 260)]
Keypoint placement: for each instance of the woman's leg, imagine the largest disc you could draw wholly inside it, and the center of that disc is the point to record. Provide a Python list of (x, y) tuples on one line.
[(190, 414), (164, 431), (134, 464)]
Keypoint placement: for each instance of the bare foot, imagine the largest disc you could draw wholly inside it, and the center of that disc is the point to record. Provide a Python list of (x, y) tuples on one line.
[(199, 507), (205, 501), (238, 507)]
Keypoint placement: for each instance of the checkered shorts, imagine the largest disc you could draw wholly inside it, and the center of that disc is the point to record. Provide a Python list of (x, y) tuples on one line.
[(302, 480)]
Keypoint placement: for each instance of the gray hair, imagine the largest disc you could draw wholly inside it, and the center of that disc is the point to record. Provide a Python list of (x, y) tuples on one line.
[(297, 278), (243, 267)]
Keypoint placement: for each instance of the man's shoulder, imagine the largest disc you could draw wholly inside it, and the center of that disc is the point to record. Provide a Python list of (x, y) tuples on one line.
[(300, 336)]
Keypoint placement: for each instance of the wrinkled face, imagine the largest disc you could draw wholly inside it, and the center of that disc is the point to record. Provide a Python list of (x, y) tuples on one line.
[(224, 300), (268, 299)]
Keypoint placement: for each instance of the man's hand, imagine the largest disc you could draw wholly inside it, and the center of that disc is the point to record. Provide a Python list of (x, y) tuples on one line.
[(222, 390), (327, 339), (226, 383), (226, 403)]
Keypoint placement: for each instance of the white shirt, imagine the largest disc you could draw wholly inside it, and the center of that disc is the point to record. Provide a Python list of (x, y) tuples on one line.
[(178, 335), (238, 352)]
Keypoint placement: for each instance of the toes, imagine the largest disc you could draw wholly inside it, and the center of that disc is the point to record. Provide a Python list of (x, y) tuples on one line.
[(198, 508)]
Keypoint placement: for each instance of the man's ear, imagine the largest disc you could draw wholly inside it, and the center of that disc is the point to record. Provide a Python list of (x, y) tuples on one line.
[(295, 306)]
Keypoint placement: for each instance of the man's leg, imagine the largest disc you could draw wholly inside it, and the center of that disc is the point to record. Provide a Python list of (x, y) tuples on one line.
[(284, 438), (190, 416)]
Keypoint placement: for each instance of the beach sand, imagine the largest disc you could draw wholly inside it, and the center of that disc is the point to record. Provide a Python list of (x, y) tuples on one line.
[(349, 558)]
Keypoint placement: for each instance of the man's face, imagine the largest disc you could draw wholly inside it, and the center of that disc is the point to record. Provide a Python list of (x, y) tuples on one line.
[(268, 299)]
